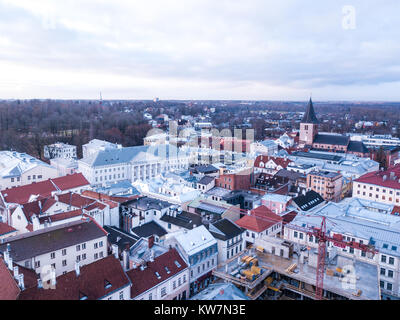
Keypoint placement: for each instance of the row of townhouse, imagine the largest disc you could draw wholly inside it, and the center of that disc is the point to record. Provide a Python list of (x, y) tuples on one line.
[(11, 198)]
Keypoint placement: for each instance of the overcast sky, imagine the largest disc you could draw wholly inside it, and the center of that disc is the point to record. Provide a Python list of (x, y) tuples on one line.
[(200, 49)]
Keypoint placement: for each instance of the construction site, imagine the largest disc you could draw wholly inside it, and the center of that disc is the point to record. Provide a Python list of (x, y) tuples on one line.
[(276, 269)]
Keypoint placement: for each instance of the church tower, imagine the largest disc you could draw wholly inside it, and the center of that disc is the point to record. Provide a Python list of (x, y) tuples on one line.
[(308, 126)]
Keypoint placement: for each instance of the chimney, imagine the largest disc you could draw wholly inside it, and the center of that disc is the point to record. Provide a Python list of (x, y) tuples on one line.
[(53, 277), (10, 263), (15, 272), (21, 283), (115, 251), (151, 241), (151, 256), (77, 269), (125, 260)]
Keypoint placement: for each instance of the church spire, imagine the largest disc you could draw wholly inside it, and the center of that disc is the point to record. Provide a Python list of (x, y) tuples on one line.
[(309, 116)]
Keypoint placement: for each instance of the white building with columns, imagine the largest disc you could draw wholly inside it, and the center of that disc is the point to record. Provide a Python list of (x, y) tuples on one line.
[(132, 163)]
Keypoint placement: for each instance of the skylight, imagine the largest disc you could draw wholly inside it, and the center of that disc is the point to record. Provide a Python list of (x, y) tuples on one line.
[(177, 264)]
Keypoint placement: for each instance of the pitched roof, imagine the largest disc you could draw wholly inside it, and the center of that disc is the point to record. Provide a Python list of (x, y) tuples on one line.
[(389, 178), (62, 216), (332, 139), (148, 229), (206, 180), (259, 220), (42, 241), (72, 181), (5, 229), (96, 280), (22, 194), (225, 229), (36, 207), (44, 189), (309, 200), (283, 162), (357, 146), (185, 220), (309, 116), (143, 280), (8, 287), (75, 200), (120, 237)]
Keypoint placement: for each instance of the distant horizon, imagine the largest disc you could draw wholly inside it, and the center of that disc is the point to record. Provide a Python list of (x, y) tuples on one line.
[(206, 100)]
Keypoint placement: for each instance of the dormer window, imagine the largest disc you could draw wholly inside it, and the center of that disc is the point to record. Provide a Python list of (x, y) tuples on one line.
[(107, 284)]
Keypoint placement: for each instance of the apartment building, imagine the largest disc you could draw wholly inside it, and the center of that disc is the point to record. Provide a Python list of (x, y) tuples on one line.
[(327, 184), (19, 169), (161, 277), (200, 249), (229, 238), (261, 221), (60, 150), (58, 247), (380, 186), (103, 279), (96, 145)]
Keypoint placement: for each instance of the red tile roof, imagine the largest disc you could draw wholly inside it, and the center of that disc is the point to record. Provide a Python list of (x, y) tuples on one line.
[(75, 200), (259, 219), (143, 280), (389, 178), (90, 283), (31, 208), (44, 189), (9, 289), (396, 211), (71, 181), (5, 228), (61, 216), (277, 160), (22, 194)]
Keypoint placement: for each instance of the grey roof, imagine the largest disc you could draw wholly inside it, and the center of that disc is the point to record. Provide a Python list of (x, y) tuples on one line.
[(129, 154), (147, 203), (309, 200), (185, 220), (319, 156), (291, 175), (357, 146), (52, 239), (149, 229), (205, 169), (225, 229), (120, 237), (309, 116), (206, 180), (332, 139)]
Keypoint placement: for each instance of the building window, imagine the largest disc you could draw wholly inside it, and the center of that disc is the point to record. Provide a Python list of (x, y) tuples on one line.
[(83, 246), (121, 295), (383, 259), (64, 263), (391, 260), (96, 256), (163, 291), (78, 247), (53, 255)]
